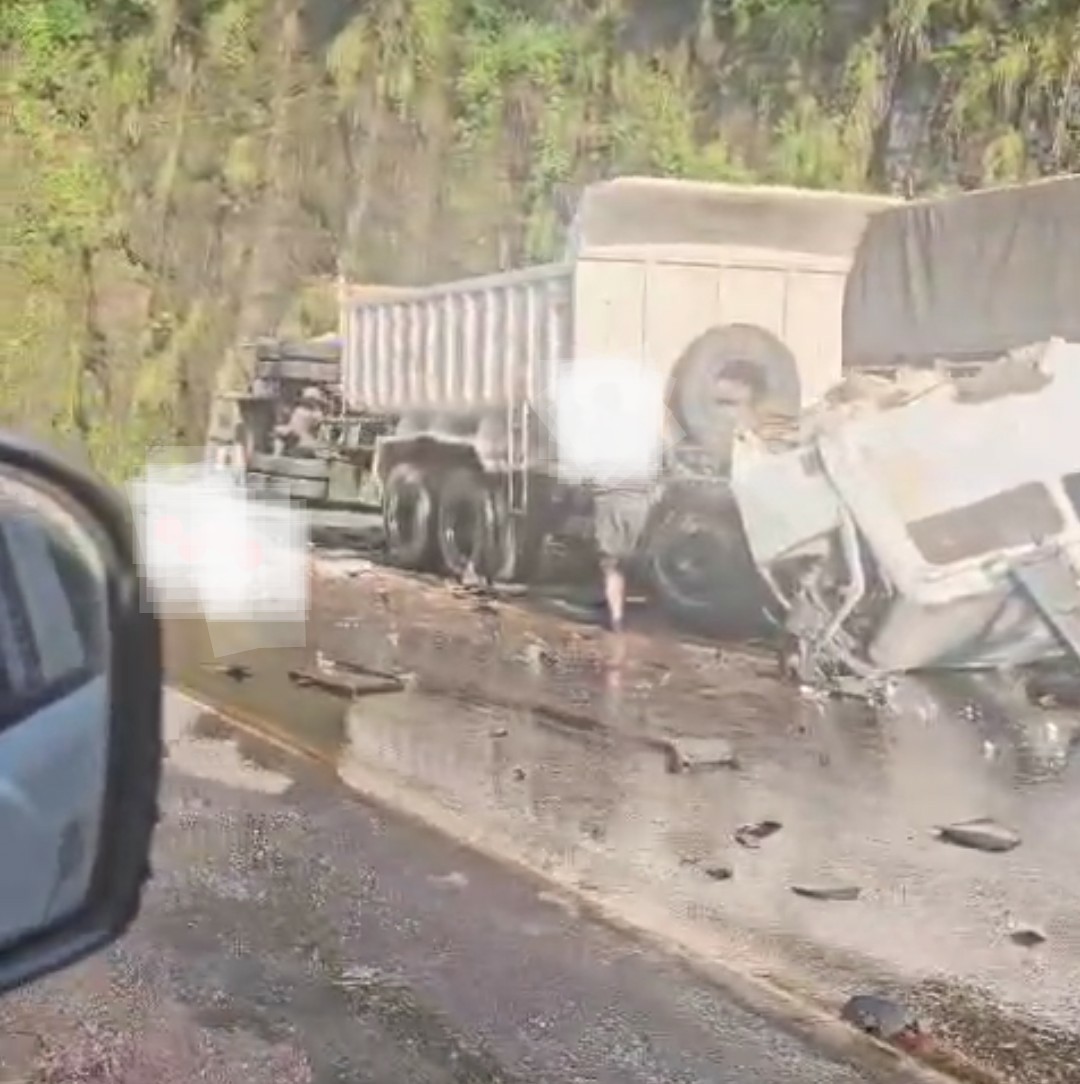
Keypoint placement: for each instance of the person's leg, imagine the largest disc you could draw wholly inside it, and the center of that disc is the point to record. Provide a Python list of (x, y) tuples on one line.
[(621, 519), (614, 591)]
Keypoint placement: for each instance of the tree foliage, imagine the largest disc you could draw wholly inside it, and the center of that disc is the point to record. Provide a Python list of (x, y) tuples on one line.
[(175, 170)]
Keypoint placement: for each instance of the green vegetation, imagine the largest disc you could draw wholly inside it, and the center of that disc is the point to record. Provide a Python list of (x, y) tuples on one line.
[(177, 172)]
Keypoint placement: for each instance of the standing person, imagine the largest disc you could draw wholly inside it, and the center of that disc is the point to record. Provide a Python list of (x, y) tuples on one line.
[(621, 515), (610, 437), (300, 434)]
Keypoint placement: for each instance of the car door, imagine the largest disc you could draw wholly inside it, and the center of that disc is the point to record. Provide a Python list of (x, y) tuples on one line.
[(54, 719)]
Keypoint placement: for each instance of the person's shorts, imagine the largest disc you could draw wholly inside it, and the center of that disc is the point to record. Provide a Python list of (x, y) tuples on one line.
[(620, 520)]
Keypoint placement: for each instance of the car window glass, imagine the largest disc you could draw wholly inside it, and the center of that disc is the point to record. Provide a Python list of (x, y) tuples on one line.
[(14, 672), (59, 648), (53, 609)]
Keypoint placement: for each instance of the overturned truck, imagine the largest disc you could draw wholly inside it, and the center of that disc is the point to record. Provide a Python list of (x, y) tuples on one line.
[(925, 515)]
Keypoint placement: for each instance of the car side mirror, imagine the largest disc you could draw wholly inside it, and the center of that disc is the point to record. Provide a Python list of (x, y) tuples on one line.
[(80, 715)]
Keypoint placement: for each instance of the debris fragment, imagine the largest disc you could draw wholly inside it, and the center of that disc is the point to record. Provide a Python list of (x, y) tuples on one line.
[(981, 834), (362, 978), (852, 687), (719, 873), (236, 671), (1027, 937), (828, 892), (687, 754), (881, 1017), (751, 835), (454, 879)]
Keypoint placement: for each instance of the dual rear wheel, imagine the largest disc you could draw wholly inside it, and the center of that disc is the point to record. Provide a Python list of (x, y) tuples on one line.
[(454, 520)]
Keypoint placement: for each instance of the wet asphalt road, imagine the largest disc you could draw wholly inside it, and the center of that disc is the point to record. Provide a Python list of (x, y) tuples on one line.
[(294, 934)]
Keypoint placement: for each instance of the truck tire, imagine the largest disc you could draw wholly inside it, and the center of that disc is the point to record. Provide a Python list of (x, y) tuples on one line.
[(290, 466), (476, 528), (409, 517), (701, 568), (719, 354)]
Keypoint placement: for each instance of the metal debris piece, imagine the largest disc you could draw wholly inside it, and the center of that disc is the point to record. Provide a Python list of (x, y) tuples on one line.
[(362, 978), (880, 1016), (751, 835), (454, 879), (828, 892), (719, 873), (1027, 937), (1056, 689), (347, 685), (236, 671), (981, 834), (686, 754)]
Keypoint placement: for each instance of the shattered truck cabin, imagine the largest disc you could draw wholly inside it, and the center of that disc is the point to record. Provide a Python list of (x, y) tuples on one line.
[(929, 520)]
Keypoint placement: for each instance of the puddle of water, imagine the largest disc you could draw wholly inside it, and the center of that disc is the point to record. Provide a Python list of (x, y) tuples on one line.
[(265, 691)]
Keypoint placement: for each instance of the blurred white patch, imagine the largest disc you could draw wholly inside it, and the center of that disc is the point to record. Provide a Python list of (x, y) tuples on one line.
[(209, 549), (609, 420)]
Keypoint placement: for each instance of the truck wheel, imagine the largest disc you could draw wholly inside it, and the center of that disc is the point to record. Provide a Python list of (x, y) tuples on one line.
[(408, 517), (741, 353), (701, 567), (476, 529)]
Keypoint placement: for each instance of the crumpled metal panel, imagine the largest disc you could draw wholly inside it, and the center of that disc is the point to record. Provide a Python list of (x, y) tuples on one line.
[(951, 493), (937, 455)]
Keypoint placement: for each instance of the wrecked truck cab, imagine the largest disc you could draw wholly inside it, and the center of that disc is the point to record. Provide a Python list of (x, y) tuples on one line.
[(934, 526)]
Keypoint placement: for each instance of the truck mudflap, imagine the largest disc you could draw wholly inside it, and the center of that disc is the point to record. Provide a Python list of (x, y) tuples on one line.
[(906, 534)]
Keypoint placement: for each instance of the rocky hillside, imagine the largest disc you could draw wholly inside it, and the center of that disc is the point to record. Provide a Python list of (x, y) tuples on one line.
[(174, 171)]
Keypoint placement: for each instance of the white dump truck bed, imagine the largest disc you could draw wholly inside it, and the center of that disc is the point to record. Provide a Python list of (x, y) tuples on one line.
[(651, 265)]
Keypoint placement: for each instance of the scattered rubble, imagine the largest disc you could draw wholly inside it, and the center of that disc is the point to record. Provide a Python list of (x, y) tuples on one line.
[(719, 873), (686, 754), (881, 1017), (982, 834), (1027, 937), (751, 835), (843, 893), (233, 671)]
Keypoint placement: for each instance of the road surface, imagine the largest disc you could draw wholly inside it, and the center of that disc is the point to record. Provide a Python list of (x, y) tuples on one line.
[(293, 934)]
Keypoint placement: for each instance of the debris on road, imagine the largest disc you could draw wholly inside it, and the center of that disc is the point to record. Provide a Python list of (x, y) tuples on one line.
[(234, 671), (751, 835), (719, 873), (350, 686), (981, 834), (881, 1017), (1027, 937), (828, 892), (686, 754)]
